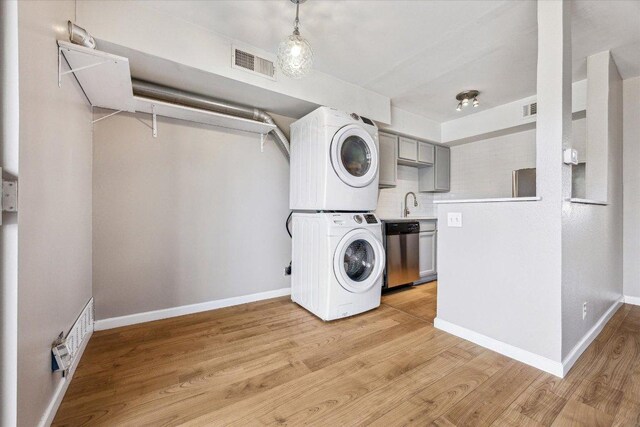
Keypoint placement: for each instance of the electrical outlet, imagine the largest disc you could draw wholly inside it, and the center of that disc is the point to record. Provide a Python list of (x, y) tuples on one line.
[(454, 219), (584, 310)]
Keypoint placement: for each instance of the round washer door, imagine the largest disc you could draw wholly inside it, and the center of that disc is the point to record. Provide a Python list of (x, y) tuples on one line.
[(358, 261), (354, 156)]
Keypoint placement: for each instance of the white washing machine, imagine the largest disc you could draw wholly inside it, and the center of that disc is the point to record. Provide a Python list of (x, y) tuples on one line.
[(337, 266), (334, 162)]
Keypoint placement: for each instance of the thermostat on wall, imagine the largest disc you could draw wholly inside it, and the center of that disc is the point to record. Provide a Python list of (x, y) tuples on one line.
[(570, 156)]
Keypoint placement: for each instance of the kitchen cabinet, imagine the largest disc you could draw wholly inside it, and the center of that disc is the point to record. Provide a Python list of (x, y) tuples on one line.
[(427, 248), (407, 149), (436, 178), (388, 160), (425, 153)]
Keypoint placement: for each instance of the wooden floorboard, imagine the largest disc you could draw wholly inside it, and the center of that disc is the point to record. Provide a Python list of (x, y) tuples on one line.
[(273, 363)]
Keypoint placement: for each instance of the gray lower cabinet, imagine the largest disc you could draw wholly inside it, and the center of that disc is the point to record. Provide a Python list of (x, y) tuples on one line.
[(388, 160), (427, 248), (437, 177)]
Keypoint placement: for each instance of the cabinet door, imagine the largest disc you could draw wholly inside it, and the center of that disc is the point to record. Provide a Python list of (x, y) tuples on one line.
[(443, 168), (407, 149), (425, 153), (427, 253), (388, 160)]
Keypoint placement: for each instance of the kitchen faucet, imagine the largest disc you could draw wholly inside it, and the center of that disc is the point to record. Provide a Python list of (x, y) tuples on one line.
[(415, 203)]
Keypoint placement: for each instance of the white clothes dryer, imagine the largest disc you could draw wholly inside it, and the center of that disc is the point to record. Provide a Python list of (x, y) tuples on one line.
[(334, 162)]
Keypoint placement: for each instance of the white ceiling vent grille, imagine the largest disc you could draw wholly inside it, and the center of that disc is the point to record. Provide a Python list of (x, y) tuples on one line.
[(530, 109), (253, 63)]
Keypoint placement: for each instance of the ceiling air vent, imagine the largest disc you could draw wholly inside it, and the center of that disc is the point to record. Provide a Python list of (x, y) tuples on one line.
[(530, 109), (253, 63)]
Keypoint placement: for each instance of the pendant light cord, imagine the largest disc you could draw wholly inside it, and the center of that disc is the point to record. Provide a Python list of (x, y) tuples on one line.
[(297, 21)]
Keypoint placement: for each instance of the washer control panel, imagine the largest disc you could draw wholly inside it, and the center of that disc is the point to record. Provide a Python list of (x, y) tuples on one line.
[(371, 219)]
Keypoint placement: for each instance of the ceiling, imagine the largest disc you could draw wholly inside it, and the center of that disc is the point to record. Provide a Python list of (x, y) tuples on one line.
[(421, 53)]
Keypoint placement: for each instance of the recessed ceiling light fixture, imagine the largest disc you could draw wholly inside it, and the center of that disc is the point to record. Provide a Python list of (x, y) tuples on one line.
[(463, 99), (295, 56)]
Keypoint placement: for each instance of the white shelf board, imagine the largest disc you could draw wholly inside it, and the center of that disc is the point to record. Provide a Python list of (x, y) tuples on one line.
[(105, 78), (146, 105)]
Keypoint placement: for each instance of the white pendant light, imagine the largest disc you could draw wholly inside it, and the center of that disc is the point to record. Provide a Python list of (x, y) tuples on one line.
[(295, 56)]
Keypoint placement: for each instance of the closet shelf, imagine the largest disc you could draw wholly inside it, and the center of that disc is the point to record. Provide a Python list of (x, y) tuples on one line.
[(106, 80), (165, 109)]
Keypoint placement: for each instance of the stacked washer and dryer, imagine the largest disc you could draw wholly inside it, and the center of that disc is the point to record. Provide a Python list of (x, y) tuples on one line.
[(338, 256)]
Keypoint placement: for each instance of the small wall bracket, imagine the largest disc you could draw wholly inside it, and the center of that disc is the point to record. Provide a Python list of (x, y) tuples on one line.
[(9, 199), (262, 138), (106, 117), (73, 70)]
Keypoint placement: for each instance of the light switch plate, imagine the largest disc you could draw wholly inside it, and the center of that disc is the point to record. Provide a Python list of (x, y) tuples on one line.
[(454, 219)]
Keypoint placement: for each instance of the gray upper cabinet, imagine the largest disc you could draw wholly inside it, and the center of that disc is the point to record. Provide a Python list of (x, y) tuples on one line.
[(425, 153), (388, 162), (407, 149), (436, 178)]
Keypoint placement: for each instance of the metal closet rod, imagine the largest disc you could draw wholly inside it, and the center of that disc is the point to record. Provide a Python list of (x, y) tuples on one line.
[(189, 99)]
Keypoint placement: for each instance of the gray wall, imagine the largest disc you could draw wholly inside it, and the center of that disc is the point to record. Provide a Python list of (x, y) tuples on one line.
[(632, 187), (592, 234), (54, 239), (195, 215)]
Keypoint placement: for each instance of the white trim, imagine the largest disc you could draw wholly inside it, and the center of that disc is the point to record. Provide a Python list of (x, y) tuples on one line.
[(148, 316), (494, 200), (524, 356), (63, 384), (632, 300), (587, 201), (588, 338), (559, 369)]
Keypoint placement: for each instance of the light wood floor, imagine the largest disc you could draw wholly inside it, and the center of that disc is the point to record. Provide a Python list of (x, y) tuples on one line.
[(272, 363), (419, 301)]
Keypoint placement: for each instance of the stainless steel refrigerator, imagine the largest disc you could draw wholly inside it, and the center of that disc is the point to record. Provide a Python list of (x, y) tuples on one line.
[(523, 183)]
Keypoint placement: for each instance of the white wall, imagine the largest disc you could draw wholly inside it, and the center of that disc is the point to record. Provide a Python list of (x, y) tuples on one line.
[(9, 145), (195, 215), (482, 169), (631, 169), (592, 234), (391, 200), (54, 221)]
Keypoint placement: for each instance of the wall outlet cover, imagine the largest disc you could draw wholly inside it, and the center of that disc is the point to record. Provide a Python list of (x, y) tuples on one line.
[(454, 219)]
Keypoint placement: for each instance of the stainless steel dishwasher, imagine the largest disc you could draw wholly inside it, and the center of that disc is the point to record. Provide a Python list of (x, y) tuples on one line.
[(403, 257)]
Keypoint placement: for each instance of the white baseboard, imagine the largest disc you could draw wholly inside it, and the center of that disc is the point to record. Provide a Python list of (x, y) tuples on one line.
[(524, 356), (132, 319), (588, 338), (63, 384), (632, 300), (559, 369)]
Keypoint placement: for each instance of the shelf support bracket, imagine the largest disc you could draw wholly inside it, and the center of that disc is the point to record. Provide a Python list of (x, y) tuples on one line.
[(106, 117), (154, 126), (72, 70), (262, 142)]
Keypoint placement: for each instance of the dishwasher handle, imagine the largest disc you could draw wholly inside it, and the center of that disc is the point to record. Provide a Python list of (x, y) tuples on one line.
[(407, 227)]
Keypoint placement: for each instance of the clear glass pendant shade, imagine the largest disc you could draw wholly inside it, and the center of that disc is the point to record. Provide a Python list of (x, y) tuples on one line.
[(295, 56)]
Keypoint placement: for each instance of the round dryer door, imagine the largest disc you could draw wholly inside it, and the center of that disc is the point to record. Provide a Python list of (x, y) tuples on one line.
[(358, 261), (354, 156)]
